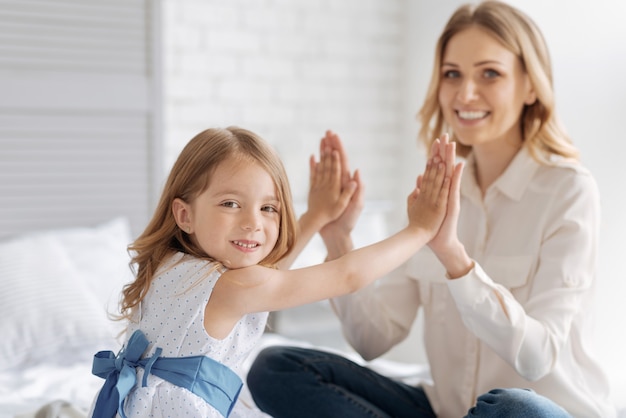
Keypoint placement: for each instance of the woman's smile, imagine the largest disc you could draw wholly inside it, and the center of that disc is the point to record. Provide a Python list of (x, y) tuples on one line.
[(471, 115)]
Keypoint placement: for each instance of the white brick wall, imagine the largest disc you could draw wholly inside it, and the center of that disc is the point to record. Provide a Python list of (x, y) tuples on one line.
[(289, 70)]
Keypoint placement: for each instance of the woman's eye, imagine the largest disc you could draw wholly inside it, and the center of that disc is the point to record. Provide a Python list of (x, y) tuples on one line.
[(451, 74), (230, 204), (491, 74)]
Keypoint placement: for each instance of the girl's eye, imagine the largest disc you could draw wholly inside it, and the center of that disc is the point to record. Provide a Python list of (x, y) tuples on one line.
[(451, 74), (230, 204), (269, 208)]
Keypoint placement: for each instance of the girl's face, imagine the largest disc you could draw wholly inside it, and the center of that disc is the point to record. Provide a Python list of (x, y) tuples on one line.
[(483, 89), (236, 219)]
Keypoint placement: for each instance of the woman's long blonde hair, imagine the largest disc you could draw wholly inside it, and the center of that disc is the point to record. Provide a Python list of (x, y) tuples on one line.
[(189, 177), (541, 131)]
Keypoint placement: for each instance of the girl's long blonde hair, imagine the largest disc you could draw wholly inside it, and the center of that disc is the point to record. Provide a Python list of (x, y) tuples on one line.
[(189, 177), (542, 133)]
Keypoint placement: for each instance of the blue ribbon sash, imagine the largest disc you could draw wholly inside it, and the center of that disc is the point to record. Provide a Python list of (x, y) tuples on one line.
[(209, 379)]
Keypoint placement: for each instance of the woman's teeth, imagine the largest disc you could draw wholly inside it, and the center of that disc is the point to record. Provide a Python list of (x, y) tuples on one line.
[(472, 115)]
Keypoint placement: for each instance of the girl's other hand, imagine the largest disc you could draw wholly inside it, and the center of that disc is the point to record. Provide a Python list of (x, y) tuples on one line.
[(330, 188), (427, 204), (344, 224), (447, 235), (446, 244)]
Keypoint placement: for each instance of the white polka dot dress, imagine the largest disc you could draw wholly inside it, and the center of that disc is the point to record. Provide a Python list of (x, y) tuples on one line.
[(171, 317)]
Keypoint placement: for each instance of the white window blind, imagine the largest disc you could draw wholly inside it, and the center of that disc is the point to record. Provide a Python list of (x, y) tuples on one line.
[(79, 112)]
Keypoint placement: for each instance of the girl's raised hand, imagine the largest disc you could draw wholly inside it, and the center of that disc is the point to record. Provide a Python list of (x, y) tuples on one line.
[(328, 197), (331, 202), (330, 188), (427, 204), (342, 226), (446, 238), (446, 244)]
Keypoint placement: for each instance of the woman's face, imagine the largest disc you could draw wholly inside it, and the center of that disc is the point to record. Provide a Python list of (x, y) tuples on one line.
[(483, 89)]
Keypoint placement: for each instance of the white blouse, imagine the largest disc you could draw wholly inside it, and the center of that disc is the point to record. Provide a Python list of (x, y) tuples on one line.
[(523, 317)]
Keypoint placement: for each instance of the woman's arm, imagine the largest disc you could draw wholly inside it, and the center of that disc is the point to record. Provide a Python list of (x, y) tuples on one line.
[(531, 326)]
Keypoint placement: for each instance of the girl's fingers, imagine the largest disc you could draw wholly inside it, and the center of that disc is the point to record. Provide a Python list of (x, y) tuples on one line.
[(449, 157), (323, 143), (326, 164), (440, 178), (336, 144), (328, 170), (335, 174), (430, 175), (441, 148), (312, 170)]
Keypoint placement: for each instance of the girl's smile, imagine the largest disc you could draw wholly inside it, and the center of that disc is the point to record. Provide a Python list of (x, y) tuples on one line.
[(246, 246)]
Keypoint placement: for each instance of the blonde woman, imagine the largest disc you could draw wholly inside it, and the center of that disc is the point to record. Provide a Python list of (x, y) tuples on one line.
[(505, 287)]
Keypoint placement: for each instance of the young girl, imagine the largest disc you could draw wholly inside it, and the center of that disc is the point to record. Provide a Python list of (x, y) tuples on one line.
[(207, 277)]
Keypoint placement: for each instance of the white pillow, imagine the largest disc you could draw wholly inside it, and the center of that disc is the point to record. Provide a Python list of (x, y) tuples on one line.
[(100, 257), (56, 287)]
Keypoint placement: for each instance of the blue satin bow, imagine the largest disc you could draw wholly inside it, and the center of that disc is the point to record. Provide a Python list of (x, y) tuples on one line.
[(207, 378)]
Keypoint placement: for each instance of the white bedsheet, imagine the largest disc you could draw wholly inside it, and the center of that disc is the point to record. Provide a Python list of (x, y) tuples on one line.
[(26, 390), (23, 391)]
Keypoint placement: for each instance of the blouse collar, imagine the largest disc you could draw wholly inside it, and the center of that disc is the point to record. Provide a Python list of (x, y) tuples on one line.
[(513, 182)]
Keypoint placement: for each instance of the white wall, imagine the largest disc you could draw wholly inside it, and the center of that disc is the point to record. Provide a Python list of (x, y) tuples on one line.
[(290, 70), (587, 41)]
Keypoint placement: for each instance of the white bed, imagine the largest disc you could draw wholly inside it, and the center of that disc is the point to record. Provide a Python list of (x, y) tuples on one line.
[(58, 286)]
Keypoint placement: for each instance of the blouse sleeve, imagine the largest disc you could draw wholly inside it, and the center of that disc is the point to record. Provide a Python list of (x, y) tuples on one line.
[(378, 317), (530, 335)]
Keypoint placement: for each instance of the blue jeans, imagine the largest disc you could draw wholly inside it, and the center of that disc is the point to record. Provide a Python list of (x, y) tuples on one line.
[(288, 382)]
